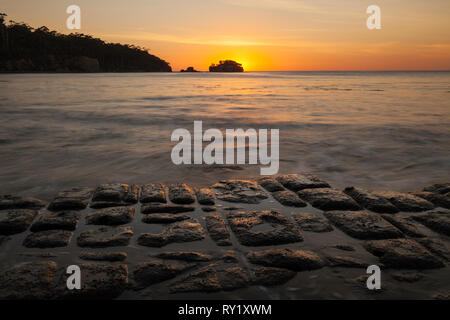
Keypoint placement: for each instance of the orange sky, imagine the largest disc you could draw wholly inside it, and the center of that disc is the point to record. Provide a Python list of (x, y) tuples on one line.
[(263, 34)]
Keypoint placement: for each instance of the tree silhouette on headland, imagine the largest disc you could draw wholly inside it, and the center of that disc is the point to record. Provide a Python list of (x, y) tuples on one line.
[(25, 49), (226, 66)]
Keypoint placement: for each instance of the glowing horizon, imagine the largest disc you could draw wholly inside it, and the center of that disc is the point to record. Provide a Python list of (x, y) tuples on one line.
[(263, 35)]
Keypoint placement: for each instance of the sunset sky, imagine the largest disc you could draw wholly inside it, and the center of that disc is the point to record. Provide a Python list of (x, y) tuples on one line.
[(262, 34)]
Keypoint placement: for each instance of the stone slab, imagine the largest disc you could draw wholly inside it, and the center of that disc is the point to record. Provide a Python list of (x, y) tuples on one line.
[(15, 221), (105, 237), (275, 228), (363, 225), (217, 229), (328, 199)]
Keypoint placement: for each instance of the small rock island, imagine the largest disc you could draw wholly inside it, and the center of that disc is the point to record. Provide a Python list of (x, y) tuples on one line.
[(189, 69), (226, 66)]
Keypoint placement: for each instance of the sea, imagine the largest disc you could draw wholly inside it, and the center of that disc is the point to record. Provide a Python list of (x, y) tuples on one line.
[(375, 130)]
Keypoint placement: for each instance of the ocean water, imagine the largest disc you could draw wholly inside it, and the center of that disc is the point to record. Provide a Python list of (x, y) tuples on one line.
[(378, 130)]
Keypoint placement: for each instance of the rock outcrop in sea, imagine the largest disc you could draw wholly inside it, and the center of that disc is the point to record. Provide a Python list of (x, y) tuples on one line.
[(189, 69), (226, 66)]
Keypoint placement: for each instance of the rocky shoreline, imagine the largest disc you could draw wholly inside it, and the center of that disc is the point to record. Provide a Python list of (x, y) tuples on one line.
[(236, 238)]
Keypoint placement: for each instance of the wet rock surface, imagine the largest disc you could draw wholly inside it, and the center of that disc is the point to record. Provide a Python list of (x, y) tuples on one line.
[(370, 201), (405, 201), (105, 237), (204, 280), (404, 225), (328, 199), (229, 256), (407, 276), (269, 276), (30, 280), (442, 296), (297, 182), (39, 254), (288, 198), (164, 218), (189, 256), (100, 281), (16, 220), (239, 191), (440, 200), (181, 193), (403, 253), (48, 239), (435, 246), (165, 208), (154, 192), (217, 229), (438, 221), (232, 278), (18, 202), (103, 256), (441, 188), (212, 278), (363, 225), (62, 220), (311, 222), (205, 196), (297, 260), (183, 231), (148, 273), (302, 254), (276, 228), (71, 199), (346, 262), (270, 184), (232, 208), (111, 216), (114, 194), (344, 247)]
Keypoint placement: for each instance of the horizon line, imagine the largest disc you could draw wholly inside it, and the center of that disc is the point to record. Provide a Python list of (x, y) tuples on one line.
[(362, 70), (165, 72)]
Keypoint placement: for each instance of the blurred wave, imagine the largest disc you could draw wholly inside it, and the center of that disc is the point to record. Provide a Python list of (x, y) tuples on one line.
[(371, 129)]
